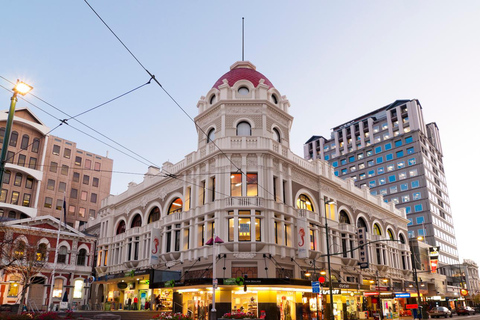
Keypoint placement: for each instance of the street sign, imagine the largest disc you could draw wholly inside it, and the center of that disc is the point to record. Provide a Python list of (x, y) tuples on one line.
[(412, 306), (315, 287)]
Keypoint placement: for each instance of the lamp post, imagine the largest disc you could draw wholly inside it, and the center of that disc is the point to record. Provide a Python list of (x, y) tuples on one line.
[(20, 88), (415, 275), (212, 242), (332, 317)]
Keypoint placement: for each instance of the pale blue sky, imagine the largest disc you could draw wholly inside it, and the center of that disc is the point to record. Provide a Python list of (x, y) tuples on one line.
[(334, 60)]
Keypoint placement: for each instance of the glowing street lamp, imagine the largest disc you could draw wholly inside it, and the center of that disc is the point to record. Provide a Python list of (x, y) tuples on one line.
[(20, 88)]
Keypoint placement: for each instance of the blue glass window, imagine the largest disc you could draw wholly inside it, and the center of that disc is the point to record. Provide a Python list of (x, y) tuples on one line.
[(327, 157), (379, 159), (344, 171), (410, 150), (401, 164), (393, 189), (417, 196), (335, 164), (420, 220), (383, 191), (378, 149), (412, 161), (411, 222), (421, 232), (408, 139), (388, 146), (400, 154), (371, 173), (343, 161), (380, 170), (408, 209), (418, 207), (398, 143), (411, 234), (415, 184), (382, 181), (336, 173), (372, 184), (369, 153), (392, 178), (360, 156), (389, 156), (370, 163), (351, 159), (404, 186), (373, 193)]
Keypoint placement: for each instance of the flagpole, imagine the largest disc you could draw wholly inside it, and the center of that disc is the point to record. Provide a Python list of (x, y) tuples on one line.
[(52, 279)]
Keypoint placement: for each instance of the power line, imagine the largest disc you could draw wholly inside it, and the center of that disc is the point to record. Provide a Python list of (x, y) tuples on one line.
[(239, 170)]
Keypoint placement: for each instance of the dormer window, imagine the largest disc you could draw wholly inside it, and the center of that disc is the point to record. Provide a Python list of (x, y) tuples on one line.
[(243, 91), (211, 135), (276, 135), (274, 99), (244, 129), (212, 99)]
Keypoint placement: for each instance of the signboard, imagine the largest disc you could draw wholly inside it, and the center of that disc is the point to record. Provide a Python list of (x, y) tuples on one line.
[(303, 237), (315, 287), (433, 255), (464, 292), (156, 246), (412, 306), (362, 250), (366, 294), (402, 295)]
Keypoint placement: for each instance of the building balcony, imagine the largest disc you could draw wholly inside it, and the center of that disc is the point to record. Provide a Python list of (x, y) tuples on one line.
[(346, 227), (239, 202)]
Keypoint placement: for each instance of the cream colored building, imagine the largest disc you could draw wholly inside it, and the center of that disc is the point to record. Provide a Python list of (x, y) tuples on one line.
[(268, 205)]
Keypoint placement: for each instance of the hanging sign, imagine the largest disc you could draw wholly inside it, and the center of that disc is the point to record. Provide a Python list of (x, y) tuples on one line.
[(433, 255), (303, 238), (156, 246), (362, 250)]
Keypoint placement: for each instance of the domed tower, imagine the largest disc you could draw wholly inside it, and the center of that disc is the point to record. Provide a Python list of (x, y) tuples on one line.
[(243, 102)]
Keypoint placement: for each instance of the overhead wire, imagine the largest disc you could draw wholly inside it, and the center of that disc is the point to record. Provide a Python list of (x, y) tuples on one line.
[(239, 170)]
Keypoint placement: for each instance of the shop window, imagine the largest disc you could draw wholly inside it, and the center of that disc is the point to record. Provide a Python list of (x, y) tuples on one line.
[(58, 288), (304, 202), (175, 206), (78, 289)]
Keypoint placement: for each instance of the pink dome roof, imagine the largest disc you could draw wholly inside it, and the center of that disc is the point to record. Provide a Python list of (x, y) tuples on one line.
[(243, 70)]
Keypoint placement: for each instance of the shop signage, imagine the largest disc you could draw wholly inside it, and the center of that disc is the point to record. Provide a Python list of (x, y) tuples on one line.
[(122, 285), (345, 285), (170, 283), (156, 246), (362, 251), (130, 273), (229, 281), (366, 294), (379, 288), (464, 292), (412, 306), (402, 295), (433, 255), (303, 238), (315, 287), (334, 291)]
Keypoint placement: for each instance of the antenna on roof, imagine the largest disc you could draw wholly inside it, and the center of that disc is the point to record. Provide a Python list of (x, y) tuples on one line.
[(243, 39)]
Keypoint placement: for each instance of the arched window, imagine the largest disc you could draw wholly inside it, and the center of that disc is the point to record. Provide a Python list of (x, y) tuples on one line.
[(390, 234), (14, 139), (361, 224), (243, 91), (25, 140), (376, 230), (212, 99), (401, 238), (276, 135), (35, 145), (42, 252), (304, 202), (20, 249), (274, 99), (136, 222), (244, 129), (57, 288), (154, 215), (211, 135), (81, 257), (175, 206), (62, 255), (343, 218), (121, 227)]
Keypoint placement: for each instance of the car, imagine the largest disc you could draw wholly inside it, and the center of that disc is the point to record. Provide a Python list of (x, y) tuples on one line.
[(465, 311), (437, 312)]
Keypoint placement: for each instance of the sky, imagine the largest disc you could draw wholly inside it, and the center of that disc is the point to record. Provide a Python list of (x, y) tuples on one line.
[(334, 60)]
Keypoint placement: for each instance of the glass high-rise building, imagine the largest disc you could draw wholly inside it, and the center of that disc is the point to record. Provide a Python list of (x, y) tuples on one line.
[(397, 155)]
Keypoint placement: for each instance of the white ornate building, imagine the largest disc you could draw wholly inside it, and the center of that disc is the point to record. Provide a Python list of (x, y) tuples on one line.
[(268, 205)]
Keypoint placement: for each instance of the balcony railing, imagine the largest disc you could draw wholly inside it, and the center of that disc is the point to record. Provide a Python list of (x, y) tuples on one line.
[(244, 202)]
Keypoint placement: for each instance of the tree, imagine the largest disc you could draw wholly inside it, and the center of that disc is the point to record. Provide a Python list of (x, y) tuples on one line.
[(22, 257)]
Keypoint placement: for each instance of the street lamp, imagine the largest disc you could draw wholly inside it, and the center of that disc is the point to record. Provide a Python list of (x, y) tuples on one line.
[(20, 88), (327, 202), (212, 242)]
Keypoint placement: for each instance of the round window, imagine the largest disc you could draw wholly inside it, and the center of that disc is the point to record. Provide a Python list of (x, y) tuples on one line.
[(243, 91)]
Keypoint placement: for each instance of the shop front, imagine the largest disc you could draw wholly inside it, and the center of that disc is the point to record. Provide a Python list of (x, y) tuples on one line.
[(125, 291)]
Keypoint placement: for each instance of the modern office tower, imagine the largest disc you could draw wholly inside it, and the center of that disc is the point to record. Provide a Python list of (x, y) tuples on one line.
[(42, 170), (396, 154)]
